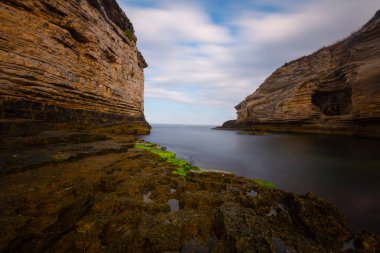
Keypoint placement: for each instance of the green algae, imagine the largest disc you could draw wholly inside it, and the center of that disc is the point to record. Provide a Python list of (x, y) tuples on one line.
[(183, 166), (170, 157), (264, 183), (130, 35)]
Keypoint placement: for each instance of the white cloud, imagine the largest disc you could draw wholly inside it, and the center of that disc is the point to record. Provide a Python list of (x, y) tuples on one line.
[(161, 93), (174, 22), (195, 60)]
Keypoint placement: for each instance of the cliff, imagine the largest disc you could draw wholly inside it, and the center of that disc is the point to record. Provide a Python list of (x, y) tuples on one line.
[(68, 63), (335, 90)]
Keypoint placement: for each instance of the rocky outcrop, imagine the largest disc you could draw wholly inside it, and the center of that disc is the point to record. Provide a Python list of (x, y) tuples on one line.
[(73, 62), (229, 124), (335, 90)]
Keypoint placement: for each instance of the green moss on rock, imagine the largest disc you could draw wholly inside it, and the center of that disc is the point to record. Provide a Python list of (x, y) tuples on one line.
[(264, 183), (130, 35), (170, 157)]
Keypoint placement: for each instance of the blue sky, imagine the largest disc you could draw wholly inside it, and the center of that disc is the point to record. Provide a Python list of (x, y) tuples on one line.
[(206, 56)]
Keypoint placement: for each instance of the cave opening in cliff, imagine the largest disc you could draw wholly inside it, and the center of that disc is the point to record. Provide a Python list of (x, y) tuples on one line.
[(337, 102)]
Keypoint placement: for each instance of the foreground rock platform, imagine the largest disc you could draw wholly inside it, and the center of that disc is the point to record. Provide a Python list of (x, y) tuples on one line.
[(332, 91), (94, 192)]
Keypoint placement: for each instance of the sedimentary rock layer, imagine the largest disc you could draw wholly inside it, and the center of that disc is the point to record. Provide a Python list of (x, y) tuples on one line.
[(334, 90), (73, 61)]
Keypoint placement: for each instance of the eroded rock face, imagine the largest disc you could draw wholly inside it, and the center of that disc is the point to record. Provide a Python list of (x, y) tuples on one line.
[(73, 61), (335, 90)]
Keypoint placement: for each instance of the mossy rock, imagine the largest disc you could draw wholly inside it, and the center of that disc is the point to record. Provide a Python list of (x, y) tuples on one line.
[(264, 183), (130, 35), (170, 157)]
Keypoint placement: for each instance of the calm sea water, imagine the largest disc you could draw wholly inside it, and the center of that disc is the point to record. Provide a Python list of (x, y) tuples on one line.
[(343, 170)]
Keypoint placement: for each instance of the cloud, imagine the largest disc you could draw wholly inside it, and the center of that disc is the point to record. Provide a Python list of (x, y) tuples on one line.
[(200, 54), (176, 22), (161, 93)]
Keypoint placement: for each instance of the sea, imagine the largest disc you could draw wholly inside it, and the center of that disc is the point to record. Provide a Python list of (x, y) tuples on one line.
[(343, 170)]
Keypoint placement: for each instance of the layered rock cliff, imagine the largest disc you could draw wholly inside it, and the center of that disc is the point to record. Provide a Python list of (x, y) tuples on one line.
[(73, 62), (335, 90)]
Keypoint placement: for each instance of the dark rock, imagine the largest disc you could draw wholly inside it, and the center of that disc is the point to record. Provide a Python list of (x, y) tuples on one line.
[(230, 125), (367, 242)]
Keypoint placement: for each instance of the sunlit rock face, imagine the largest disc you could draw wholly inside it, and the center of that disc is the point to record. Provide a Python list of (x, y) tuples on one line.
[(335, 90), (72, 61)]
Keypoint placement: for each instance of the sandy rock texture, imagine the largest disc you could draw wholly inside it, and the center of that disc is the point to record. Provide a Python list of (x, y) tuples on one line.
[(73, 61), (335, 90)]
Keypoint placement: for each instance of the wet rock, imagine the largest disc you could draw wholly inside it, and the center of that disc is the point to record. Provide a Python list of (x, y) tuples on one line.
[(318, 219), (194, 245), (108, 183), (367, 242), (348, 246), (280, 247), (71, 147)]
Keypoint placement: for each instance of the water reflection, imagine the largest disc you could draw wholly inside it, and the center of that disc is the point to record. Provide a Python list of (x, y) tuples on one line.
[(173, 204), (146, 197)]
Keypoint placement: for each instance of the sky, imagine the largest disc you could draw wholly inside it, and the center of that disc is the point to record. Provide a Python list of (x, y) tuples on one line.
[(206, 56)]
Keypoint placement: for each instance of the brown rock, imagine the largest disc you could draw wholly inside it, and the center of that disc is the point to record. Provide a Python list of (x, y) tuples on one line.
[(335, 90), (70, 62)]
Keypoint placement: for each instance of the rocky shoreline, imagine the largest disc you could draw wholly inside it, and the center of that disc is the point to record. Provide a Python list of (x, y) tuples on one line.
[(74, 178), (287, 128), (332, 91), (93, 191)]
